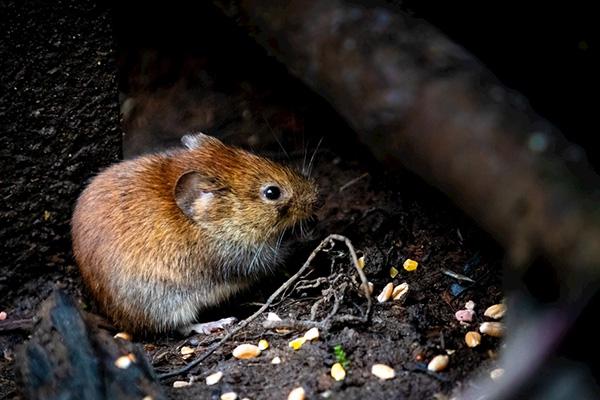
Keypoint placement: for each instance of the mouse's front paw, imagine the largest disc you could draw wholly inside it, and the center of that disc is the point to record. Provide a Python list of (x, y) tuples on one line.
[(207, 327)]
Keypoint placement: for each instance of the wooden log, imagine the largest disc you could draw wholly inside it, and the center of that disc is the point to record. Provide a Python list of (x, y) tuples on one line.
[(420, 101), (69, 358)]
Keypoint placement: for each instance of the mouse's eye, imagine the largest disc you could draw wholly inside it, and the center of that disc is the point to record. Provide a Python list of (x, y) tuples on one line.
[(272, 193)]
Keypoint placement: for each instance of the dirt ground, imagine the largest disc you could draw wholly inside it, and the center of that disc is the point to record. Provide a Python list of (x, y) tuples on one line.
[(61, 124)]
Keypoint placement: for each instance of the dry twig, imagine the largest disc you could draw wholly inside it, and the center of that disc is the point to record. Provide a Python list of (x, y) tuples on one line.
[(327, 241)]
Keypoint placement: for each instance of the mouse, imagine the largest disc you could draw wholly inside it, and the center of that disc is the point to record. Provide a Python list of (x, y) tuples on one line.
[(164, 236)]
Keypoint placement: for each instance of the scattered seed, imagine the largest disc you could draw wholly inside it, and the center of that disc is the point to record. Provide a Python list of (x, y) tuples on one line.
[(297, 394), (495, 329), (361, 262), (3, 315), (456, 275), (470, 305), (472, 339), (213, 379), (180, 384), (393, 272), (276, 360), (263, 345), (369, 288), (383, 371), (245, 351), (400, 291), (386, 293), (410, 265), (338, 372), (186, 350), (496, 311), (464, 315), (123, 362), (497, 373), (148, 398), (47, 214), (450, 351), (123, 335), (297, 343), (438, 363), (312, 334), (229, 396), (273, 317)]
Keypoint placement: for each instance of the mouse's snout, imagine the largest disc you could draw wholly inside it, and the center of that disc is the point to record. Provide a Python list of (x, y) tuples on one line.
[(308, 201)]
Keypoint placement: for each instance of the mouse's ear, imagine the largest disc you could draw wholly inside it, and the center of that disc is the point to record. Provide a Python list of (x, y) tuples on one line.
[(197, 140), (193, 188)]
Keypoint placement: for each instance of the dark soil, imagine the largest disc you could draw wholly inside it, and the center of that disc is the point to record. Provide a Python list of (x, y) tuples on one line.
[(60, 119)]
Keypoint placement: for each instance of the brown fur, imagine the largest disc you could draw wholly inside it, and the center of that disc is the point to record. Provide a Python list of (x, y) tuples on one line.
[(150, 265)]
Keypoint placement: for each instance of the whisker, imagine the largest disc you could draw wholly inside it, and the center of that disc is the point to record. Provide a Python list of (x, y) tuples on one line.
[(278, 244), (310, 163), (260, 249), (304, 171), (275, 137)]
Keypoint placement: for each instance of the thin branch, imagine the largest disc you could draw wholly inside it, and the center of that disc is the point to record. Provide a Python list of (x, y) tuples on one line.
[(17, 325), (327, 241)]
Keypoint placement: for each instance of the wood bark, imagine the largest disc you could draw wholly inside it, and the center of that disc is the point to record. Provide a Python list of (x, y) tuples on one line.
[(68, 357)]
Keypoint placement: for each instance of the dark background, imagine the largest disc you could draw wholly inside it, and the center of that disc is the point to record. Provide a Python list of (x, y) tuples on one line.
[(547, 51)]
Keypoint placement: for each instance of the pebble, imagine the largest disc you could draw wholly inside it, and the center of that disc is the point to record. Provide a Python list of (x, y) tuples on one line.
[(3, 315), (464, 315), (276, 360)]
